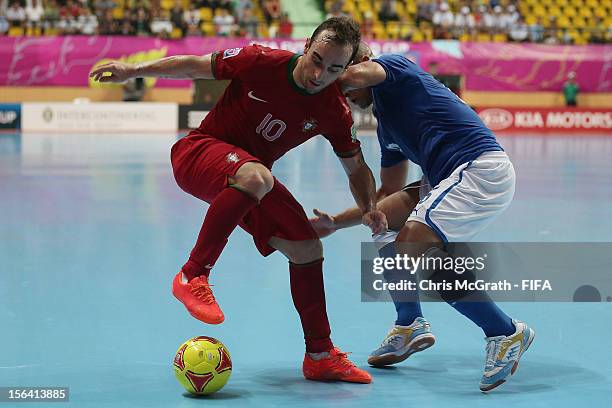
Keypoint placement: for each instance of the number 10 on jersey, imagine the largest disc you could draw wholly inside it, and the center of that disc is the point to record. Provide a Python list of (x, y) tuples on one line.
[(271, 129)]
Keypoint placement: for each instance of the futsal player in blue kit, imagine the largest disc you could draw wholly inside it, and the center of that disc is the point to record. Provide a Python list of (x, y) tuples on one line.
[(468, 181)]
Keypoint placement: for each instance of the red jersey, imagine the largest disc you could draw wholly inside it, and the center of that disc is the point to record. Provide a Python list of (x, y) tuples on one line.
[(264, 112)]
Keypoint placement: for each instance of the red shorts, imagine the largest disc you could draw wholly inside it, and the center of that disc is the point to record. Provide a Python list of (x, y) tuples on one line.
[(202, 165)]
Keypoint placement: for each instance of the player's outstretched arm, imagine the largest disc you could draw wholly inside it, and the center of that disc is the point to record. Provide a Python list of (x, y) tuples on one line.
[(393, 179), (362, 75), (363, 187), (174, 67)]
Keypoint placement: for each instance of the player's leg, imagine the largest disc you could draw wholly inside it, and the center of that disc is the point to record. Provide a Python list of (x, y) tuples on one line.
[(411, 332), (397, 207), (415, 239), (233, 183), (245, 187), (322, 361), (458, 208), (280, 223), (307, 289)]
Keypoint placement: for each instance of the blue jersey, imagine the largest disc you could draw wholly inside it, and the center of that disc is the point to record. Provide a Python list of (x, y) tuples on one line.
[(422, 120)]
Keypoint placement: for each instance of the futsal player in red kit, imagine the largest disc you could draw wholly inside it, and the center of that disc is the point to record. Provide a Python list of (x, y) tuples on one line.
[(276, 100)]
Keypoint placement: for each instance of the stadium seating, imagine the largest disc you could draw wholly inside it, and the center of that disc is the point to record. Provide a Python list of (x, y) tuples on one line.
[(575, 19), (578, 16)]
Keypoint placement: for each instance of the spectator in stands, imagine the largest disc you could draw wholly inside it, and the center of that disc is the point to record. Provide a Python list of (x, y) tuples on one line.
[(550, 34), (570, 90), (177, 17), (34, 13), (108, 25), (125, 25), (67, 23), (536, 31), (285, 28), (511, 16), (484, 20), (443, 20), (87, 23), (102, 5), (367, 26), (464, 21), (192, 19), (335, 9), (519, 31), (51, 16), (388, 11), (566, 38), (272, 11), (224, 23), (70, 10), (237, 6), (598, 33), (142, 23), (423, 12), (240, 6), (407, 28), (16, 15), (499, 20), (4, 24), (248, 23), (160, 24)]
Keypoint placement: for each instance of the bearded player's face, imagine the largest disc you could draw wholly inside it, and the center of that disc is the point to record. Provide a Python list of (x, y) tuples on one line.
[(323, 62)]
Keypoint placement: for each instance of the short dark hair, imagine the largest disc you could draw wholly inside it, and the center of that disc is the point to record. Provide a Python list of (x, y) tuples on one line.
[(346, 31), (364, 50)]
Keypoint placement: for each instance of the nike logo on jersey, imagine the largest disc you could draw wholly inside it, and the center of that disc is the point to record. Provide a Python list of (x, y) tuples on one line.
[(250, 94), (393, 146)]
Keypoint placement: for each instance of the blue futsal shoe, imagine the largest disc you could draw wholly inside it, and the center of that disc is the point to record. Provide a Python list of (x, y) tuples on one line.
[(401, 342), (503, 355)]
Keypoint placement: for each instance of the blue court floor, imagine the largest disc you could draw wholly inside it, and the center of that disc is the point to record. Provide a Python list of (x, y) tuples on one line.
[(93, 229)]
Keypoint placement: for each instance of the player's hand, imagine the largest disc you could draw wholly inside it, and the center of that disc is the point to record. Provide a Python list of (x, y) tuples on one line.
[(119, 72), (323, 223), (376, 220)]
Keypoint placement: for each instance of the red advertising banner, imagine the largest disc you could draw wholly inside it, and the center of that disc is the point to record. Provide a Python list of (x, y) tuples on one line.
[(540, 120)]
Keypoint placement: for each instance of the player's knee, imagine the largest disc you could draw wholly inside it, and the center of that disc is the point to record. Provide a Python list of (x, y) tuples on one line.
[(255, 179), (302, 252)]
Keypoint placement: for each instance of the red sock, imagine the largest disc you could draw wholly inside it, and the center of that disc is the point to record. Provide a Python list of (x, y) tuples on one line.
[(308, 295), (224, 214)]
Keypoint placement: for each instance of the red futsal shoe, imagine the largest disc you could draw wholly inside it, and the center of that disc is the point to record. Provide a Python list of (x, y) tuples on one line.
[(197, 298), (335, 367)]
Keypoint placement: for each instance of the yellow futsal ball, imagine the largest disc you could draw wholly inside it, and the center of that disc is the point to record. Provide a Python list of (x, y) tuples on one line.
[(202, 365)]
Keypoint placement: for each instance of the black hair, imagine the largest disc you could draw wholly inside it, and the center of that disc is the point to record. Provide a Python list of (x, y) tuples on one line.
[(345, 31)]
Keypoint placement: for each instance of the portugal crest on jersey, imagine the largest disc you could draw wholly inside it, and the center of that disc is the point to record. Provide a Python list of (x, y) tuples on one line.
[(309, 125), (232, 158)]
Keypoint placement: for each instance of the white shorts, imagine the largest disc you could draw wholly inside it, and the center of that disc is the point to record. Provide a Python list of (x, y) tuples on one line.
[(468, 200)]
